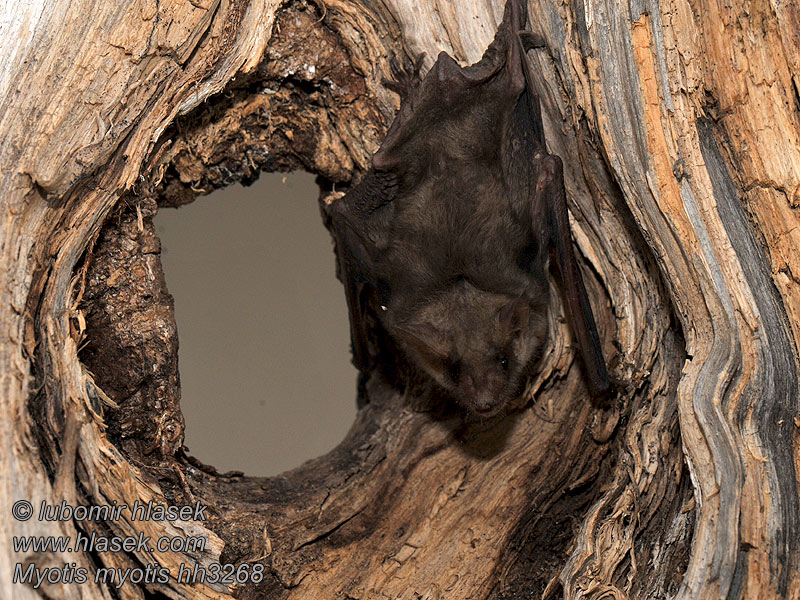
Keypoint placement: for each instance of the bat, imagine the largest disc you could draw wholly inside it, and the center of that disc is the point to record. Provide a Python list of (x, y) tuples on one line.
[(445, 244)]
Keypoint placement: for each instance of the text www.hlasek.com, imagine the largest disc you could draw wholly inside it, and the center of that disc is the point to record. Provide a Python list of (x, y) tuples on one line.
[(95, 543)]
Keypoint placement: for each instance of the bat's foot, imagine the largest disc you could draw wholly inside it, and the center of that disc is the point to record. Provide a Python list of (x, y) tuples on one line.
[(406, 77)]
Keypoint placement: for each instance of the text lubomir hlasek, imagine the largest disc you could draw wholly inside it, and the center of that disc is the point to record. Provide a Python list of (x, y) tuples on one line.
[(139, 511)]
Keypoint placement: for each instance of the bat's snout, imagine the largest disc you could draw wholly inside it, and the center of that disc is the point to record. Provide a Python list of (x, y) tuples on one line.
[(488, 406)]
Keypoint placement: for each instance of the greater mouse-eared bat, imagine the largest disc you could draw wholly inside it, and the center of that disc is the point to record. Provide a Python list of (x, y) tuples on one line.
[(445, 243)]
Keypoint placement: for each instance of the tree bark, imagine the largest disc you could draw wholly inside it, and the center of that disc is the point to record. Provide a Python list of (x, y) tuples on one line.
[(678, 126)]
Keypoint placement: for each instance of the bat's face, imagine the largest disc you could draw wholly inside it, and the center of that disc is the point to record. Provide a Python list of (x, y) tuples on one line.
[(478, 346), (490, 365)]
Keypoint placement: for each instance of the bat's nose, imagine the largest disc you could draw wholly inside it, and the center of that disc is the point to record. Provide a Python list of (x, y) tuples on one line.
[(479, 395), (486, 405)]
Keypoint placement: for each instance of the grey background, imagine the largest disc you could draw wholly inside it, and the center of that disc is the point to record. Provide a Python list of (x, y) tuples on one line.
[(264, 352)]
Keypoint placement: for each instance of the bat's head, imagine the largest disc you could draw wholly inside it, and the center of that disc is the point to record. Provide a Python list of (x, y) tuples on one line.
[(478, 346)]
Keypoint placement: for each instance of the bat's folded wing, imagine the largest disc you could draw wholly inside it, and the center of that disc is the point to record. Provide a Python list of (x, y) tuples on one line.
[(359, 223)]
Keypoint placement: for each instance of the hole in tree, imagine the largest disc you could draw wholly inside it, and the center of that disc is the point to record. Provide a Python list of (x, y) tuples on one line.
[(264, 353)]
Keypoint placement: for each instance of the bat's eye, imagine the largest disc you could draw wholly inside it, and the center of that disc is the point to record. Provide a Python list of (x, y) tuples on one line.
[(503, 360)]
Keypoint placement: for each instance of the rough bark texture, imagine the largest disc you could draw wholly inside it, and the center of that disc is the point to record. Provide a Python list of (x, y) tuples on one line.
[(678, 124)]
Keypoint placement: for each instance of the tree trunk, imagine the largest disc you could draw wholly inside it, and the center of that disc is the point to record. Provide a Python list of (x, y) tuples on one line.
[(678, 126)]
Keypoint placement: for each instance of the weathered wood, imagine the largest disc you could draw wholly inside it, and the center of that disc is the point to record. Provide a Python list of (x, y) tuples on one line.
[(678, 126)]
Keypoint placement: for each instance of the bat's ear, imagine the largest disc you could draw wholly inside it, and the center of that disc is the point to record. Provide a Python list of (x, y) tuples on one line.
[(426, 342), (386, 158), (515, 316)]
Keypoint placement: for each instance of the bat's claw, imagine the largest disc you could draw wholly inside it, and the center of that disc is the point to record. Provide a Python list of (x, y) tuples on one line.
[(405, 77)]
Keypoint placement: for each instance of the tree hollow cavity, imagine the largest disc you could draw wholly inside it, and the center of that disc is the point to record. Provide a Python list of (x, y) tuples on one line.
[(264, 358)]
